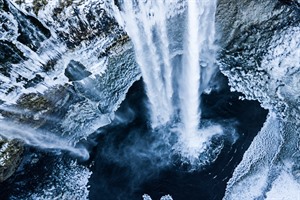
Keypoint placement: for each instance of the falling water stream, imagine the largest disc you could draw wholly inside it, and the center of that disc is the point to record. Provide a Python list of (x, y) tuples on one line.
[(198, 41), (147, 24), (176, 54), (152, 55)]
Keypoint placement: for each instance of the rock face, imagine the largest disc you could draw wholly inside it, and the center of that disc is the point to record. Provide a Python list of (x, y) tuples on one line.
[(260, 56), (61, 61), (64, 66), (10, 157), (75, 71)]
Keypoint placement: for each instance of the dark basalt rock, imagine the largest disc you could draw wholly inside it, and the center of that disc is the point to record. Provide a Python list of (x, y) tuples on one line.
[(247, 27), (85, 27), (251, 30), (33, 82), (76, 71), (29, 54), (291, 2), (37, 110)]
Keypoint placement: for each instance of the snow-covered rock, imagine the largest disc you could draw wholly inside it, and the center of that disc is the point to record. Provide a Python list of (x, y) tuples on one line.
[(260, 57), (42, 42), (10, 157), (39, 43)]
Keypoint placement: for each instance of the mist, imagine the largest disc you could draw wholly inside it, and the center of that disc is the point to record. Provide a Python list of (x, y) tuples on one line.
[(40, 138), (130, 151)]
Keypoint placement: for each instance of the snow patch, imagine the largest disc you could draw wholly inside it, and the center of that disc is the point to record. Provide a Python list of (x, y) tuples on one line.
[(166, 197), (250, 177), (285, 187), (67, 181)]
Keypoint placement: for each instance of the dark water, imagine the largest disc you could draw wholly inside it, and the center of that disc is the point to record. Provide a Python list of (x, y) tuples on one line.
[(129, 161), (34, 172)]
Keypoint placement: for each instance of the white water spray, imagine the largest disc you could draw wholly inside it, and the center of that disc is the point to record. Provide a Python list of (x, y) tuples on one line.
[(147, 24), (38, 138)]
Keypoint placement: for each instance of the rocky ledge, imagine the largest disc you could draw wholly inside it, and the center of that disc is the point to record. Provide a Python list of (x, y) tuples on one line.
[(260, 56), (44, 45), (10, 157)]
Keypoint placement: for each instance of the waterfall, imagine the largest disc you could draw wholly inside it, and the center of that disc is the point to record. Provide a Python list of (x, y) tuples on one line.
[(148, 32), (190, 83), (198, 46), (148, 25), (39, 138)]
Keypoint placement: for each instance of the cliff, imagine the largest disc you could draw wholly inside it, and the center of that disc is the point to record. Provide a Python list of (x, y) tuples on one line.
[(61, 58)]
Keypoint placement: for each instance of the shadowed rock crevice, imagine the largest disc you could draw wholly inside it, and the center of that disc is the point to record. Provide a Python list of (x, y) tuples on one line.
[(76, 71)]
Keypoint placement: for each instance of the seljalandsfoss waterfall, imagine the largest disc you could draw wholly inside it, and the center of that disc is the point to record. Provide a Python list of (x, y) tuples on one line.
[(149, 99)]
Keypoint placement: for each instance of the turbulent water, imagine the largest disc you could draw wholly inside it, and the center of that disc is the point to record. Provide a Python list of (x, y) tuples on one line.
[(174, 86), (131, 160)]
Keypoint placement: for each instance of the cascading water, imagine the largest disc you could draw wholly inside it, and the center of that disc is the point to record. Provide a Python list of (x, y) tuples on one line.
[(41, 139), (148, 25), (198, 46), (149, 36)]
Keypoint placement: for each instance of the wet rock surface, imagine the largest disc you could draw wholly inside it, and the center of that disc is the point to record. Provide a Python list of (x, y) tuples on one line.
[(75, 71)]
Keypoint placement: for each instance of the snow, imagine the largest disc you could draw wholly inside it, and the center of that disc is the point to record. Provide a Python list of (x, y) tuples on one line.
[(253, 171), (275, 83), (285, 187), (249, 188), (85, 107), (67, 181), (3, 154)]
